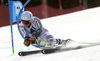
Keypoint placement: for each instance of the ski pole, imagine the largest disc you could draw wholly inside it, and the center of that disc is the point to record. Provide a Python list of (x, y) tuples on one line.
[(85, 42), (73, 41)]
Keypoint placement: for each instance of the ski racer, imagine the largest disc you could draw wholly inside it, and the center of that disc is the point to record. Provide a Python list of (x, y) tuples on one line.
[(32, 30)]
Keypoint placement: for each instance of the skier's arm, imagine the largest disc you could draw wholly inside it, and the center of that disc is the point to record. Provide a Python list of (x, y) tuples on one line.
[(22, 30)]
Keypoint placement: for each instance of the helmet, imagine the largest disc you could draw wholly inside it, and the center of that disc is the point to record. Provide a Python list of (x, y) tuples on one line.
[(26, 16)]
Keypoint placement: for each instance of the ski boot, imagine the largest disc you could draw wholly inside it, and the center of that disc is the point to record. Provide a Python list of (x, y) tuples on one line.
[(63, 42)]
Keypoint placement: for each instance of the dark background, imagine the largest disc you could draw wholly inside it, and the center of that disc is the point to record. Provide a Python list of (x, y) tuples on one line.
[(52, 8)]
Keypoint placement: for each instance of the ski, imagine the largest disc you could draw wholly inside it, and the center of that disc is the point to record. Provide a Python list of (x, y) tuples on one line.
[(24, 53), (69, 46), (51, 50), (43, 51), (46, 51)]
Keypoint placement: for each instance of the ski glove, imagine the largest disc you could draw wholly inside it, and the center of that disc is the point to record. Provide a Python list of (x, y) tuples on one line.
[(26, 41), (29, 40), (32, 40)]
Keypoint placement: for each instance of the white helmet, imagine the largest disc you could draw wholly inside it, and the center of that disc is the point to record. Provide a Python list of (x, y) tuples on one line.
[(26, 16)]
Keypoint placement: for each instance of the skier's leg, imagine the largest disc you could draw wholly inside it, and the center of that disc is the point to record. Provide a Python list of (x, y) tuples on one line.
[(50, 39)]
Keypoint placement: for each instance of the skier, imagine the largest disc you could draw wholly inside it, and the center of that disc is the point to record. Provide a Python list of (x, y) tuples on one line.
[(32, 30)]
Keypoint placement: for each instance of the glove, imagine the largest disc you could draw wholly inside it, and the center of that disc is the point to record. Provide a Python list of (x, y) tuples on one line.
[(29, 40), (32, 40), (26, 41)]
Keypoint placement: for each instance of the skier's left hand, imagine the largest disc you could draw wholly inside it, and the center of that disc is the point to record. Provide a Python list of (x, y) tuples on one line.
[(32, 40), (29, 40)]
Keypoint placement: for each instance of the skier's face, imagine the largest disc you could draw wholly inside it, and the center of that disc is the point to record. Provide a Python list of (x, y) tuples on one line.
[(26, 23)]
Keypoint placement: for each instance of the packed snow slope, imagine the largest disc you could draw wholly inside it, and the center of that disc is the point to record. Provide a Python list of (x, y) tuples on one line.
[(81, 26)]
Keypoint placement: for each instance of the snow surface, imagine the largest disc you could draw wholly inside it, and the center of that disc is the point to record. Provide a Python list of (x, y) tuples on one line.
[(81, 26)]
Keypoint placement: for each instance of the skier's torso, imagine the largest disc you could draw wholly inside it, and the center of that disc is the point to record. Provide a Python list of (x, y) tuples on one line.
[(32, 28)]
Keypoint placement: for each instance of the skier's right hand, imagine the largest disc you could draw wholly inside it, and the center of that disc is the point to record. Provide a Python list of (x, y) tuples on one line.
[(26, 41)]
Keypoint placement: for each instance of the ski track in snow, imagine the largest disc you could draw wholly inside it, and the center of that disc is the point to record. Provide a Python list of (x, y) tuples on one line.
[(81, 26)]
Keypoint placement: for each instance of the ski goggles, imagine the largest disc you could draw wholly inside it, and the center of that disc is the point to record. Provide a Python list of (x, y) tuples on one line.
[(25, 22)]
